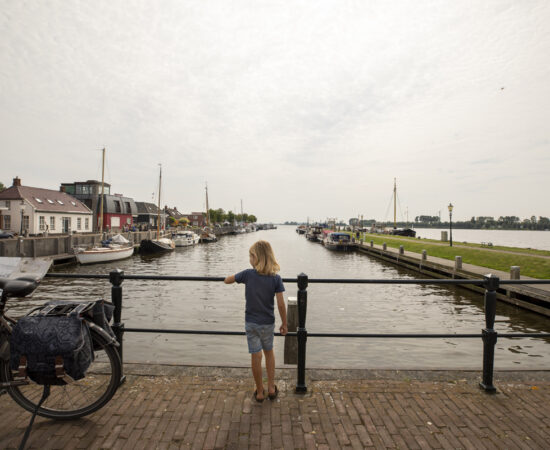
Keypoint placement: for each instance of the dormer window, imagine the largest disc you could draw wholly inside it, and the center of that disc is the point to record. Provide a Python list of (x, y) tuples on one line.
[(38, 200), (60, 202), (73, 203), (50, 201)]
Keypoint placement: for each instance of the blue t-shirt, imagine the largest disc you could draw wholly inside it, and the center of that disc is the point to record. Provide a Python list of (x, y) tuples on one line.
[(259, 293)]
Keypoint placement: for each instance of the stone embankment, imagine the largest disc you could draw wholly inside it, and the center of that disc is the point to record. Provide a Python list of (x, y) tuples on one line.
[(535, 298)]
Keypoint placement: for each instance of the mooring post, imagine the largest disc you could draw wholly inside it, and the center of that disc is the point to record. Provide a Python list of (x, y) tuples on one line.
[(116, 277), (302, 333), (291, 344), (489, 335)]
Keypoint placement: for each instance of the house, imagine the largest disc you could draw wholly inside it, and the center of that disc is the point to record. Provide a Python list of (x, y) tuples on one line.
[(148, 214), (172, 212), (33, 210), (118, 211), (196, 219)]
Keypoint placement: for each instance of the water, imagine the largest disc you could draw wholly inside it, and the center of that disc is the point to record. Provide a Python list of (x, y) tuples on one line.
[(331, 308), (509, 238)]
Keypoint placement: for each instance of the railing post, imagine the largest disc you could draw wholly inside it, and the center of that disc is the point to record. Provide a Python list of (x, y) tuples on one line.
[(302, 333), (489, 335), (116, 277)]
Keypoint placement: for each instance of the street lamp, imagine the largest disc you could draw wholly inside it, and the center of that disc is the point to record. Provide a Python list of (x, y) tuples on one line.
[(451, 223), (22, 206)]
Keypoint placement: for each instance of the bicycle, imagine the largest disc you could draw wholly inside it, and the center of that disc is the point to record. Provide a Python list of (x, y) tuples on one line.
[(68, 401)]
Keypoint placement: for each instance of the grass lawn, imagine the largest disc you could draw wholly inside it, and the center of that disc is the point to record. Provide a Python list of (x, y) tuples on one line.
[(532, 265)]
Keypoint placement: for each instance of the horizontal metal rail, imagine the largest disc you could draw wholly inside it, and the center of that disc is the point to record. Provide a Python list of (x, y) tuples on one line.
[(336, 335), (453, 281)]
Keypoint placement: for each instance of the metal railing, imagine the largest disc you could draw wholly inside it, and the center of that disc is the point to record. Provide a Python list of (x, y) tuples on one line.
[(488, 334)]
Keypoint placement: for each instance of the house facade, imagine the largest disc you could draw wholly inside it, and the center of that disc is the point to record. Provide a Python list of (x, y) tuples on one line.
[(148, 214), (196, 219), (30, 210), (119, 212)]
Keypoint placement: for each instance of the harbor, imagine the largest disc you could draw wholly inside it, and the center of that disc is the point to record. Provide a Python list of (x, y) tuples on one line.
[(332, 308)]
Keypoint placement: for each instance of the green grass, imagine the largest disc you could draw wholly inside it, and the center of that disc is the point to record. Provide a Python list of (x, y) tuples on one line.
[(531, 264)]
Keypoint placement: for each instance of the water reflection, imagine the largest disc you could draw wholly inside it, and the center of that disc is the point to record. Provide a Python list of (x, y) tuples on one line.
[(331, 308)]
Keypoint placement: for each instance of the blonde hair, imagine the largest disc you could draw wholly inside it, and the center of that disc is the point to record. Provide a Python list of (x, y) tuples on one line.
[(266, 264)]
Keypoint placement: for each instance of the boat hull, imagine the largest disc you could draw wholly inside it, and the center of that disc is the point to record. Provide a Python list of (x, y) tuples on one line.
[(104, 255), (152, 246)]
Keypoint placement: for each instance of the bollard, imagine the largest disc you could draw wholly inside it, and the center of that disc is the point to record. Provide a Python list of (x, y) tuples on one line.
[(291, 344), (458, 262), (424, 255), (384, 246), (116, 277), (514, 275), (301, 387), (401, 250), (372, 243), (489, 335)]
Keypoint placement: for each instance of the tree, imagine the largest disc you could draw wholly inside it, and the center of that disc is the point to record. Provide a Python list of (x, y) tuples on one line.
[(252, 219), (2, 187), (230, 216)]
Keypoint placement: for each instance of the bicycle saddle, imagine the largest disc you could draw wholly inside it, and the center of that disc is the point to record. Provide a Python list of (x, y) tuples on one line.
[(18, 287)]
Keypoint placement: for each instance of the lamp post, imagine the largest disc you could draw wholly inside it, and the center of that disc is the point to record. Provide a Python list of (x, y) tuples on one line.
[(450, 223), (22, 206)]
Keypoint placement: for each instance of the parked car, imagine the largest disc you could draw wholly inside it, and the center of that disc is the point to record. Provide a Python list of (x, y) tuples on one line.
[(5, 234)]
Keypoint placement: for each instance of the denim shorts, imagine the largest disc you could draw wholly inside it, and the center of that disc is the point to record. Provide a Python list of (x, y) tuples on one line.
[(259, 337)]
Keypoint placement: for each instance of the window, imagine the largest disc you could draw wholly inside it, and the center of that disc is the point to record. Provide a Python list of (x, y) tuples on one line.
[(86, 223), (78, 223), (117, 206), (42, 223), (52, 223), (7, 222), (38, 200), (128, 208), (49, 201), (73, 203), (8, 204), (60, 202), (25, 222)]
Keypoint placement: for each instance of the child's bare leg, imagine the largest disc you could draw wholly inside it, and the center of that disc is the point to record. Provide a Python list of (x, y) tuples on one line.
[(270, 369), (256, 359)]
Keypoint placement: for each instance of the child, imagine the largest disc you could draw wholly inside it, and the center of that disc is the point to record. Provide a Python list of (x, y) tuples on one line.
[(262, 284)]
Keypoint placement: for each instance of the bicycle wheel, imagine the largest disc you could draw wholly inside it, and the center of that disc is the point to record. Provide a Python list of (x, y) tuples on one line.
[(76, 399)]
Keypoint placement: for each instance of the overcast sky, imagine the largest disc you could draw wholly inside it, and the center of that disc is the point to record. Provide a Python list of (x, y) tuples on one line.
[(300, 109)]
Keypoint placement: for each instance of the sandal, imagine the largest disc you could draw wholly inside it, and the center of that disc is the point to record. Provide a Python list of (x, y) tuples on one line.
[(259, 400), (274, 395)]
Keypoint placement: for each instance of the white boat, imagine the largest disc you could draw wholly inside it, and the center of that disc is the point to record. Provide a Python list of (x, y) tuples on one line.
[(185, 238), (113, 252)]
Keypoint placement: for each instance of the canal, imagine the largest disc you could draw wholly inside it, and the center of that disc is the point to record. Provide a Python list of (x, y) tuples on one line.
[(331, 308)]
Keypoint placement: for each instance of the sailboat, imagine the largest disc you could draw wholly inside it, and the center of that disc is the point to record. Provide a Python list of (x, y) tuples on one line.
[(114, 249), (399, 231), (158, 245), (206, 234)]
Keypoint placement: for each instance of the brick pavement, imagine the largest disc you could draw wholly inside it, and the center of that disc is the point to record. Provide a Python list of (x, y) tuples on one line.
[(213, 408)]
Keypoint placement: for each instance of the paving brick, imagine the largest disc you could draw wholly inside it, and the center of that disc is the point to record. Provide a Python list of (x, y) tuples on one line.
[(209, 412)]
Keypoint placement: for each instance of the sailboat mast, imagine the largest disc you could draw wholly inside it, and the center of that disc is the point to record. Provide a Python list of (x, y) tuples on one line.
[(207, 208), (394, 200), (102, 192), (158, 209)]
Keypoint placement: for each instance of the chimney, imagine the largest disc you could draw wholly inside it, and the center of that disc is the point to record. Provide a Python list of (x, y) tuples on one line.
[(17, 181)]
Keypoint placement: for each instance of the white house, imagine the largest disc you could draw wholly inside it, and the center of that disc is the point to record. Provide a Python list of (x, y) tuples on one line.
[(32, 210)]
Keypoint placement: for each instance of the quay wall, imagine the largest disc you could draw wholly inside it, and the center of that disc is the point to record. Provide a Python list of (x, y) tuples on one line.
[(60, 247), (536, 299)]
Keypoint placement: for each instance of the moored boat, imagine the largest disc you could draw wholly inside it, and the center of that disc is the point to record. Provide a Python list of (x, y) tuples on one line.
[(207, 236), (103, 254), (314, 233), (156, 245), (185, 238), (337, 241)]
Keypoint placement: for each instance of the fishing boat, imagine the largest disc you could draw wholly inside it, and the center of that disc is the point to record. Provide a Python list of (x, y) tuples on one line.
[(185, 238), (158, 245), (301, 229), (314, 233), (337, 241)]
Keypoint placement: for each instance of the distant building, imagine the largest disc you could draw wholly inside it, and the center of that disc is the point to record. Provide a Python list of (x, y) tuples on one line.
[(148, 214), (118, 211), (31, 210), (196, 219)]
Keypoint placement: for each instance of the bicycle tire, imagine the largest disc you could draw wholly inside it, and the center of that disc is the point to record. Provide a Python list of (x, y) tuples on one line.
[(102, 377)]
